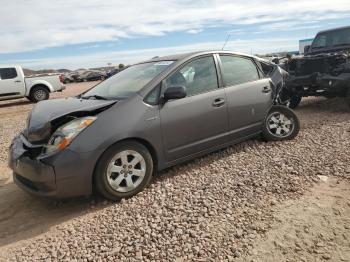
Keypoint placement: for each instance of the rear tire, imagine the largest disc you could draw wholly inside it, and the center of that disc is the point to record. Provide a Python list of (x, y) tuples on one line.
[(39, 93), (294, 102), (124, 170), (281, 123)]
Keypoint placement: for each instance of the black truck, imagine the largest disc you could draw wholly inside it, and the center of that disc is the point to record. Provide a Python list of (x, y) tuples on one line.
[(324, 70)]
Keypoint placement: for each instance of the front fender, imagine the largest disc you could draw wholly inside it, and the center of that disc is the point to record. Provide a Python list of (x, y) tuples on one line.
[(131, 119)]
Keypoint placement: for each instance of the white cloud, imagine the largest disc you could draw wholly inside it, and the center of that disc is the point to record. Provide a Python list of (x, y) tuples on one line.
[(35, 24), (194, 31), (261, 45)]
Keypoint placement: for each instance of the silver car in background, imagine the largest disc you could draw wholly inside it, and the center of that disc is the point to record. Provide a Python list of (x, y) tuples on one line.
[(150, 116)]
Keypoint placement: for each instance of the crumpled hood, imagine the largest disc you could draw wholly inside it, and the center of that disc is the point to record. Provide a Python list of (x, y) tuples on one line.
[(44, 113)]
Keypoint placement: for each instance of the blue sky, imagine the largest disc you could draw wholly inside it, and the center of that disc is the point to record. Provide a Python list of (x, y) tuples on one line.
[(76, 33)]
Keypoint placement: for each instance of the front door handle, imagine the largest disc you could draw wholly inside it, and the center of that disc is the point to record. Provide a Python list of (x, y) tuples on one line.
[(266, 89), (18, 81), (218, 102)]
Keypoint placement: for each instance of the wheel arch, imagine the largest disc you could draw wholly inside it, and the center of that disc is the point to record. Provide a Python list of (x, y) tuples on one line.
[(40, 82), (142, 141), (39, 85), (148, 145)]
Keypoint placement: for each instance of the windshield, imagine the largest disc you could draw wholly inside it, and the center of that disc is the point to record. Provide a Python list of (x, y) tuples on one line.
[(127, 82), (332, 39)]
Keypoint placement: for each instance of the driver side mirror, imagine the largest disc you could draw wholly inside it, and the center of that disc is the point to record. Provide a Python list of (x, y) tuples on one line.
[(174, 92), (306, 49)]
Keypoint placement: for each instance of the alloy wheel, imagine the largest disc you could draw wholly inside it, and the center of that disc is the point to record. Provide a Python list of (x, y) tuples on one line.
[(39, 95), (126, 171), (279, 125)]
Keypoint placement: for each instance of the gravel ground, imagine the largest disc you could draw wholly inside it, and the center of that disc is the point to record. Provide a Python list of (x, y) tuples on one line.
[(210, 209)]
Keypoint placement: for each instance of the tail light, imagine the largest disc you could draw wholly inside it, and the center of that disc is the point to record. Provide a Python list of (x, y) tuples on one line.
[(61, 79)]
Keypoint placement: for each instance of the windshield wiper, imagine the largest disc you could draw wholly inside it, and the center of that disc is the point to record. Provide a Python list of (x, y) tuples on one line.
[(94, 96)]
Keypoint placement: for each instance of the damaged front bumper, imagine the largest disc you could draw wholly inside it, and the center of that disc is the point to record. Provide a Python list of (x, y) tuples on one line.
[(30, 174)]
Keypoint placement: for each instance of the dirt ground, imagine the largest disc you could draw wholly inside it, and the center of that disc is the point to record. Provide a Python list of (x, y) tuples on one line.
[(313, 227)]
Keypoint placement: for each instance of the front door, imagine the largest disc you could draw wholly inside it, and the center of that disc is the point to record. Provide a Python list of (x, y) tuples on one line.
[(199, 121), (249, 96)]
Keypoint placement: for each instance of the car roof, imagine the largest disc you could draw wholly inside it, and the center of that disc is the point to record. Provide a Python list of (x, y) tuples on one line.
[(334, 29), (184, 56)]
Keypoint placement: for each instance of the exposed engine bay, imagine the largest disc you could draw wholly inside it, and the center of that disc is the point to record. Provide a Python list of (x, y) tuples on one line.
[(319, 75)]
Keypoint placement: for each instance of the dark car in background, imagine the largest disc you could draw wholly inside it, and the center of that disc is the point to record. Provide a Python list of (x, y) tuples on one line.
[(148, 117), (68, 78), (90, 75)]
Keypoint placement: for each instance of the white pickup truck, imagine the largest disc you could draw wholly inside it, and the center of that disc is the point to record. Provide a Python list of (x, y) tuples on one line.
[(14, 85)]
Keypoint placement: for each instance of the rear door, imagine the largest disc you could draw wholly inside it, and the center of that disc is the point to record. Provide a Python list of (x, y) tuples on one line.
[(11, 83), (199, 121), (249, 96)]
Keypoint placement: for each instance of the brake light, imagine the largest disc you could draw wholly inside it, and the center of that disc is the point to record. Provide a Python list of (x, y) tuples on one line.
[(61, 79)]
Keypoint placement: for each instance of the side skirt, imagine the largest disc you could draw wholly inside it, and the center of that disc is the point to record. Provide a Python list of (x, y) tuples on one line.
[(207, 151)]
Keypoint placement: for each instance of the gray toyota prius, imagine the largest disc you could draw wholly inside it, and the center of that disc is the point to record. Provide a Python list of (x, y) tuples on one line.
[(152, 115)]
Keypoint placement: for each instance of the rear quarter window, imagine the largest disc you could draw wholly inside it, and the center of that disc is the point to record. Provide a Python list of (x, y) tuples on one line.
[(8, 73), (267, 68)]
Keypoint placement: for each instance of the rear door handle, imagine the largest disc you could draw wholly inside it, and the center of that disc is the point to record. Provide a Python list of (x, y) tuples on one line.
[(266, 89), (218, 102), (18, 81)]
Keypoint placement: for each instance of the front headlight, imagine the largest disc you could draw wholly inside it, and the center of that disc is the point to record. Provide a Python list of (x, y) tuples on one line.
[(64, 135)]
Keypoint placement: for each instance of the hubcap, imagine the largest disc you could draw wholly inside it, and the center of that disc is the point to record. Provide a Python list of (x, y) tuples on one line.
[(279, 124), (126, 171), (39, 95)]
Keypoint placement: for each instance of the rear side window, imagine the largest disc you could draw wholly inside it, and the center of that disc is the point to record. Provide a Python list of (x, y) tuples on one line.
[(8, 73), (238, 70)]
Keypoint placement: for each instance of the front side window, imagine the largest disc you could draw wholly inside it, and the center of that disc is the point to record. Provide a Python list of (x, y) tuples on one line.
[(238, 70), (320, 42), (198, 76), (8, 73), (128, 82)]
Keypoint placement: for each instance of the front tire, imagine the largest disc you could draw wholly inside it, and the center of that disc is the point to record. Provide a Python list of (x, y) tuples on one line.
[(124, 170), (281, 123), (39, 93)]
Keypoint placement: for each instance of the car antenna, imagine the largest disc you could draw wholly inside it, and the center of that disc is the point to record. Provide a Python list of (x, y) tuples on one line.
[(227, 38)]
